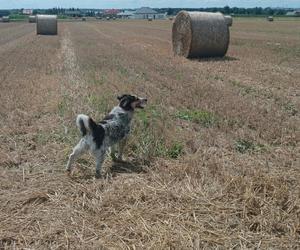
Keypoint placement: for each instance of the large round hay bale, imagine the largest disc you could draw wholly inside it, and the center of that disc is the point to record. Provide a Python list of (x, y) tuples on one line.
[(32, 19), (46, 24), (228, 20), (200, 34), (5, 19)]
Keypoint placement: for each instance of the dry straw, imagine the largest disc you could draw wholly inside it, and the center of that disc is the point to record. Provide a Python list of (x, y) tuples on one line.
[(46, 25), (200, 34)]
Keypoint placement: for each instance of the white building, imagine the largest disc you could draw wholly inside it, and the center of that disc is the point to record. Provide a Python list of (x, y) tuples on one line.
[(27, 11), (146, 13), (126, 14)]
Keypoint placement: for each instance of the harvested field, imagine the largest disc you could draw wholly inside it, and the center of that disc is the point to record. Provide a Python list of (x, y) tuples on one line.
[(213, 161)]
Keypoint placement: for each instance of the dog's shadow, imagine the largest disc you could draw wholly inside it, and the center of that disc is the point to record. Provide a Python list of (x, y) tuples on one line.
[(116, 167), (121, 167)]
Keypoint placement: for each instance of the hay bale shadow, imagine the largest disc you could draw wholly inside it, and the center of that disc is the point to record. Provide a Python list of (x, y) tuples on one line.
[(215, 59)]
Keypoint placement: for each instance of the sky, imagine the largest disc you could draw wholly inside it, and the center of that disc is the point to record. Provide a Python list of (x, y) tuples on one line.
[(121, 4)]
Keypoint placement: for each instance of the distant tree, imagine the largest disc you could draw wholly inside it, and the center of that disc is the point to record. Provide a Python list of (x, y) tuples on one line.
[(226, 10)]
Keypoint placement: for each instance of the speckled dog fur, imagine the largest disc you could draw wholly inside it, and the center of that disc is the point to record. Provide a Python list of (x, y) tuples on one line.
[(112, 130)]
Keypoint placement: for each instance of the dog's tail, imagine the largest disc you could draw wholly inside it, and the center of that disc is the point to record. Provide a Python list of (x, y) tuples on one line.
[(85, 124)]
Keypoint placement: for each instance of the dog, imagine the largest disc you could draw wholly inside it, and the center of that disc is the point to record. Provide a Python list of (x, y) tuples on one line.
[(113, 129)]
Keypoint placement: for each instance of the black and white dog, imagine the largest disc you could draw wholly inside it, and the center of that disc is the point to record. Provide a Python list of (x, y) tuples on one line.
[(113, 129)]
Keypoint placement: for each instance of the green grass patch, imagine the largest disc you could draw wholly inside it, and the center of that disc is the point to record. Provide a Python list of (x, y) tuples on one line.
[(175, 150), (243, 146), (99, 103), (202, 117)]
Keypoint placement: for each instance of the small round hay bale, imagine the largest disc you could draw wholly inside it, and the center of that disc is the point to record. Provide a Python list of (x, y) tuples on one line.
[(228, 20), (46, 24), (200, 34), (108, 18), (270, 18), (32, 19), (5, 19), (83, 19), (150, 19)]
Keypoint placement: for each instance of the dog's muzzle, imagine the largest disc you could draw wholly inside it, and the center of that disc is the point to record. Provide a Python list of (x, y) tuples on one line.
[(142, 103)]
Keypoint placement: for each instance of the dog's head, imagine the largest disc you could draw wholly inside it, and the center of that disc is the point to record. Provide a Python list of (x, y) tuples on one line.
[(131, 102)]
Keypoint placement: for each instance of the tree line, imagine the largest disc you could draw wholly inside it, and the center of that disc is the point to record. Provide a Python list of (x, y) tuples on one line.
[(257, 11)]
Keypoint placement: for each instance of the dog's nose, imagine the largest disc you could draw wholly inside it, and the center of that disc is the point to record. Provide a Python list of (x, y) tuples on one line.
[(146, 100)]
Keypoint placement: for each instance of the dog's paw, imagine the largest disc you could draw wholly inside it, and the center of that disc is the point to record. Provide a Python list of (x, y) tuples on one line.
[(98, 175), (68, 172)]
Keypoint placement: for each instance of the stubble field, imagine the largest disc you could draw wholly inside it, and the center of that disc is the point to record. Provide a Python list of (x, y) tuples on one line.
[(212, 162)]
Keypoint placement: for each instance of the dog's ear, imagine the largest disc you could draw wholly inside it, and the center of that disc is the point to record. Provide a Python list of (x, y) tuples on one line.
[(120, 97)]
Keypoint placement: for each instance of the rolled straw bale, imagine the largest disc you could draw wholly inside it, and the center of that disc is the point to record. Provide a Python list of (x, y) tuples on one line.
[(32, 19), (270, 18), (150, 19), (228, 20), (46, 25), (5, 19), (200, 34)]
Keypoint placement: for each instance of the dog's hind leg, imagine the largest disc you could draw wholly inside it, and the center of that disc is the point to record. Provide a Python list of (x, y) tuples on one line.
[(100, 156), (78, 150)]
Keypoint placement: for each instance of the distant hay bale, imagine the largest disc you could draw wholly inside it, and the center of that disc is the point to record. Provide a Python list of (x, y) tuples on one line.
[(270, 18), (200, 34), (83, 19), (228, 20), (32, 19), (150, 19), (5, 19), (107, 18), (46, 24)]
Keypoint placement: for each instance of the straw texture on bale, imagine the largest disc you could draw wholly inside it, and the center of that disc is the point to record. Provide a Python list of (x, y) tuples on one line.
[(32, 19), (200, 34), (46, 24), (228, 20), (5, 19)]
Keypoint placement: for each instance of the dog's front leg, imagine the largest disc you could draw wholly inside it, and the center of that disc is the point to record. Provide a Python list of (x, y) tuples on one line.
[(122, 145), (113, 152), (100, 156)]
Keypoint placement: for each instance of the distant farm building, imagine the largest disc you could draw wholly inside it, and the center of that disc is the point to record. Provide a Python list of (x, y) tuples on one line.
[(27, 11), (126, 14), (148, 13), (294, 13), (111, 12)]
